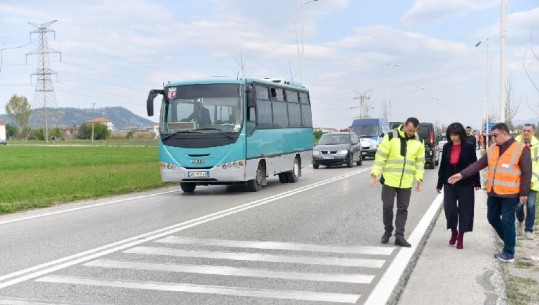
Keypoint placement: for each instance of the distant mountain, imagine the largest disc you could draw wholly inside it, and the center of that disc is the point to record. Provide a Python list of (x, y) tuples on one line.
[(66, 116)]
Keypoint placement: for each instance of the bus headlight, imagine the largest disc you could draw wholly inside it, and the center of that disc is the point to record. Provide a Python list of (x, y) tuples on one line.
[(233, 165)]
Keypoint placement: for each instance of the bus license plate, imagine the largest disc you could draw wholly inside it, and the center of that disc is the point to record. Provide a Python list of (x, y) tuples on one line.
[(198, 174)]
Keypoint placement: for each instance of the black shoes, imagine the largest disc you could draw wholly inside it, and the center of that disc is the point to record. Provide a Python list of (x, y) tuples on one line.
[(401, 242), (385, 237)]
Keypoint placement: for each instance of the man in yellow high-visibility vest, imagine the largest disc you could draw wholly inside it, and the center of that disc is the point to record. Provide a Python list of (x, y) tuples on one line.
[(400, 159), (527, 137)]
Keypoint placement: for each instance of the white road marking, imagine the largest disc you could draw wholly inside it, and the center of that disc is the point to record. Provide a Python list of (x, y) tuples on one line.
[(271, 245), (390, 279), (207, 289), (84, 207), (235, 271), (260, 257), (45, 268), (19, 301)]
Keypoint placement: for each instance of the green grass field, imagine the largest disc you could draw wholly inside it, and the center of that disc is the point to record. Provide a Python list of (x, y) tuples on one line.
[(40, 176)]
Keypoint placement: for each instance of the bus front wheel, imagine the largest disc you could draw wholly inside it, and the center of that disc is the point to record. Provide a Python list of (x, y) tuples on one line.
[(255, 185), (188, 187)]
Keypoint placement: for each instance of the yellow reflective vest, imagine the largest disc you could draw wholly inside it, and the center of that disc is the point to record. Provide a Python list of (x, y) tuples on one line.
[(398, 170), (534, 150)]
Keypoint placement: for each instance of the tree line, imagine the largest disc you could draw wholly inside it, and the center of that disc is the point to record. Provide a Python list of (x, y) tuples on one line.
[(19, 110)]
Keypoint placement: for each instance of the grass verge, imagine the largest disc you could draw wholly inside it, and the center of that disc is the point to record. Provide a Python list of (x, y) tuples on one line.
[(522, 277), (41, 176)]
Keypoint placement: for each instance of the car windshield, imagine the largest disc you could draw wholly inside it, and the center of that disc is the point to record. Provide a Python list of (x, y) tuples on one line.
[(333, 139), (371, 131)]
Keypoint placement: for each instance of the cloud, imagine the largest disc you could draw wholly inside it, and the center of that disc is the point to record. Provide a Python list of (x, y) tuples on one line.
[(428, 11)]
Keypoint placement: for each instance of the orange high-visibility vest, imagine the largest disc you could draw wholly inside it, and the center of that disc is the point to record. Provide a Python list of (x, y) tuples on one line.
[(503, 177)]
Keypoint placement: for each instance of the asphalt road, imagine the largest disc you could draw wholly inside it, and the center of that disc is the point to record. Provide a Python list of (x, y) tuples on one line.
[(314, 241)]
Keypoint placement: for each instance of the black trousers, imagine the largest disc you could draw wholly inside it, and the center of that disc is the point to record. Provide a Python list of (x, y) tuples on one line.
[(388, 201), (459, 201)]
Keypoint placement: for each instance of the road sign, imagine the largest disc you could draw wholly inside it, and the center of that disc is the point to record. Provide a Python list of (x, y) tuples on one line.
[(489, 127)]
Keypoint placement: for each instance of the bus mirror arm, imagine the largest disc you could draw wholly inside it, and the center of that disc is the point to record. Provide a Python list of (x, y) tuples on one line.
[(250, 97), (151, 96)]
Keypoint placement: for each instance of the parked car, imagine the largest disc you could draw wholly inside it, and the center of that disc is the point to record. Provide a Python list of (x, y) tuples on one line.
[(427, 134), (337, 148), (3, 142)]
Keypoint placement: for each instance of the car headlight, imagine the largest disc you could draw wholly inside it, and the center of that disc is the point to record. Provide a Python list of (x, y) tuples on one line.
[(316, 153), (342, 152), (374, 146)]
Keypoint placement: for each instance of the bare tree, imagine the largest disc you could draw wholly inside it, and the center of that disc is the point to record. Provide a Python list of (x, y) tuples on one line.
[(242, 65), (526, 65), (511, 104)]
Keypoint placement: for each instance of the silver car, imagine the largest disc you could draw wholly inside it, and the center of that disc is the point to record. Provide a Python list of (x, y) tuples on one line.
[(3, 142), (337, 148)]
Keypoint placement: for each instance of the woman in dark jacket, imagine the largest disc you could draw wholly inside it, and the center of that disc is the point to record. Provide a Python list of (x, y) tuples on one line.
[(459, 198)]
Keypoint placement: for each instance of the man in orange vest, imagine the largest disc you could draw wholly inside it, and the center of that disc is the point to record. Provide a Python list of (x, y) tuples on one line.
[(508, 184)]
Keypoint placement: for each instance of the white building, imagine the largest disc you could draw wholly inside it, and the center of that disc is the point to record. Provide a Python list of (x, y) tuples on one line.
[(3, 130)]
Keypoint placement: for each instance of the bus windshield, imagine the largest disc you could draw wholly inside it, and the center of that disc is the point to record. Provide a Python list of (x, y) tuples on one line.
[(202, 107)]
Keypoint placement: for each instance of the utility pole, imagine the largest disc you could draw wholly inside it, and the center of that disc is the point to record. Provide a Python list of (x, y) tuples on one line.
[(93, 123), (44, 92)]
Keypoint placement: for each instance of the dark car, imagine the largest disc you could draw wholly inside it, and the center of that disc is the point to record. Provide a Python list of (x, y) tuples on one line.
[(393, 125), (337, 148), (427, 133)]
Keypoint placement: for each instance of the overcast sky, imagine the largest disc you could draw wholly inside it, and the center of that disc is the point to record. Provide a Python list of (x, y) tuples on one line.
[(419, 55)]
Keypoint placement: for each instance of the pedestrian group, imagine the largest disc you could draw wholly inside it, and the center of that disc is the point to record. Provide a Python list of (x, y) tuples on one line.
[(512, 181)]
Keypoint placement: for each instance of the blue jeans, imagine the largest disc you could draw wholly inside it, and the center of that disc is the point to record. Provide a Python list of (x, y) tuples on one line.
[(530, 211), (501, 216)]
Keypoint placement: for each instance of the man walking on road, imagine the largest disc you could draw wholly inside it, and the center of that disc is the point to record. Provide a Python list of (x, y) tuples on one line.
[(470, 137), (532, 143), (400, 159), (508, 184)]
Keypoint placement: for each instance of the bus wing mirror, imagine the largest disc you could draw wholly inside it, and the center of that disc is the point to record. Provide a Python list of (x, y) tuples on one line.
[(151, 97), (251, 99)]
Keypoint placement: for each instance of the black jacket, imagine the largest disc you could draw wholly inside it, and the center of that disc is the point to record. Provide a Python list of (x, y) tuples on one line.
[(467, 156)]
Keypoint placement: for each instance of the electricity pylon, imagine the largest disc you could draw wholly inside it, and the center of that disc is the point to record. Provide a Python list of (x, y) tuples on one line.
[(44, 93)]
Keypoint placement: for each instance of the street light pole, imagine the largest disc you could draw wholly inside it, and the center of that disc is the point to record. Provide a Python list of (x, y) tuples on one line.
[(503, 19), (300, 9), (388, 101), (484, 129)]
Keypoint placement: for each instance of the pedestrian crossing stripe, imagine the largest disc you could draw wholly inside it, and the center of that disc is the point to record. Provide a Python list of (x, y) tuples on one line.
[(260, 257), (234, 271), (207, 289), (272, 245)]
